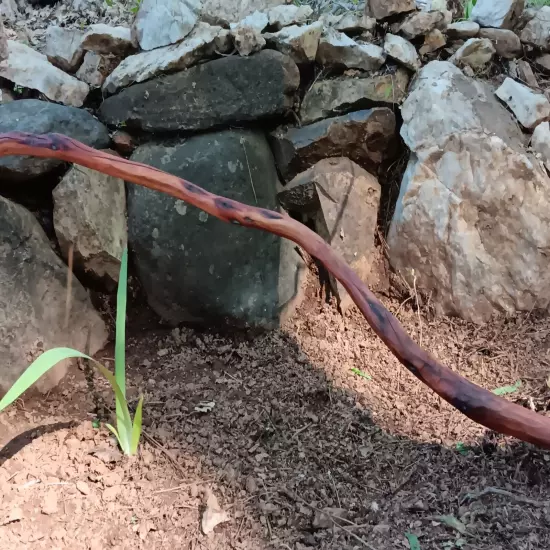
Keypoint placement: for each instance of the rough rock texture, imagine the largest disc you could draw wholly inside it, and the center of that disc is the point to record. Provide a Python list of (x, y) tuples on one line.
[(463, 29), (380, 9), (473, 216), (96, 68), (299, 42), (33, 294), (247, 40), (421, 23), (106, 40), (352, 22), (196, 268), (365, 137), (402, 51), (507, 43), (286, 15), (223, 91), (475, 52), (337, 50), (433, 41), (328, 98), (500, 14), (342, 199), (30, 69), (537, 30), (540, 142), (90, 214), (4, 50), (202, 42), (529, 107), (224, 12), (41, 117), (64, 47), (163, 23)]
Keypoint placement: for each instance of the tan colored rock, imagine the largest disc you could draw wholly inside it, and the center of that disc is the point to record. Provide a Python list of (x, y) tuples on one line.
[(380, 9), (401, 50), (248, 40), (506, 43), (64, 47), (90, 215), (299, 42), (338, 96), (107, 40), (421, 23), (337, 50), (433, 41), (475, 52), (473, 216), (354, 22), (342, 199), (96, 68), (463, 30), (31, 69)]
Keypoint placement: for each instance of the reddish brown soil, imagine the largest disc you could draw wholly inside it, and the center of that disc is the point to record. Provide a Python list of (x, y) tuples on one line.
[(294, 429)]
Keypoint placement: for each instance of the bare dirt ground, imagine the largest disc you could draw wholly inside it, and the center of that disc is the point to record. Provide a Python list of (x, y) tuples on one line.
[(316, 416)]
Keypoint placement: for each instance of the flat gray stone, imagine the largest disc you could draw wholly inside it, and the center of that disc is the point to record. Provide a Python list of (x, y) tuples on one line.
[(225, 91)]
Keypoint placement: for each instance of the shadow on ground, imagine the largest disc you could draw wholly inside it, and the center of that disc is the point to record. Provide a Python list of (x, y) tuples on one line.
[(317, 417)]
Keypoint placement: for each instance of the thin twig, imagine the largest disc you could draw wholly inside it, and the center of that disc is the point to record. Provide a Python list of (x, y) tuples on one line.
[(249, 172), (502, 492), (296, 498)]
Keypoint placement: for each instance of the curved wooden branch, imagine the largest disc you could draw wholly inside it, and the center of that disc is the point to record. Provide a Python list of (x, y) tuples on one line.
[(477, 403)]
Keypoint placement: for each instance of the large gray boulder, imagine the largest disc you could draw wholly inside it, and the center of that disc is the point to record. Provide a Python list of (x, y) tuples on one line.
[(40, 117), (33, 300), (228, 90), (196, 268), (472, 222)]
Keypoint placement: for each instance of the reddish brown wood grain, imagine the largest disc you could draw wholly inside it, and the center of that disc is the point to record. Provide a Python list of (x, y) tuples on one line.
[(477, 403)]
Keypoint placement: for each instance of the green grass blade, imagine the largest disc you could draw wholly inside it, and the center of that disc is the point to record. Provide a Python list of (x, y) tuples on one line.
[(504, 390), (37, 369), (413, 541), (136, 428), (124, 422), (120, 336)]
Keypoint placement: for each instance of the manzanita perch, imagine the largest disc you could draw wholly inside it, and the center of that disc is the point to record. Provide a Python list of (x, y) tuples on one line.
[(477, 403)]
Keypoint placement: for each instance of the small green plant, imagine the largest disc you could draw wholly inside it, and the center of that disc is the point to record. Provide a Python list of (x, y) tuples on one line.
[(468, 7), (360, 373), (135, 8), (127, 432)]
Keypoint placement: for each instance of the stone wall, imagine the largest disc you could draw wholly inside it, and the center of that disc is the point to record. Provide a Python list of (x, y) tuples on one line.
[(284, 107)]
